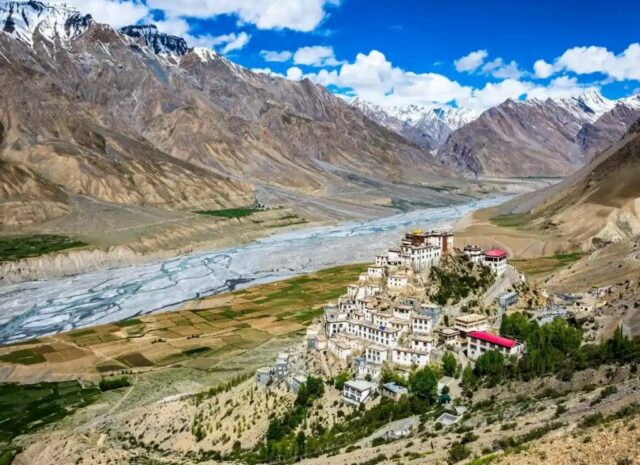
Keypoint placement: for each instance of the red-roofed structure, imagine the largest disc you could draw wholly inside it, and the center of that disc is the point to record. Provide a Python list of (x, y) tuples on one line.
[(493, 338), (496, 259), (495, 253), (479, 342)]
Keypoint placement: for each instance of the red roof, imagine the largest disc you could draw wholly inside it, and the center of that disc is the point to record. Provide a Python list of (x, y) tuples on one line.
[(495, 253), (493, 339)]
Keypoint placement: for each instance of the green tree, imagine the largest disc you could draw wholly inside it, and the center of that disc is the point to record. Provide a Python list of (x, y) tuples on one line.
[(341, 379), (469, 380), (424, 385), (490, 364), (517, 326), (449, 364), (300, 442)]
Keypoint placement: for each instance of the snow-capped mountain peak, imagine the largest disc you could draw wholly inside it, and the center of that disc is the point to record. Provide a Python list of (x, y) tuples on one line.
[(427, 127), (589, 105), (22, 19)]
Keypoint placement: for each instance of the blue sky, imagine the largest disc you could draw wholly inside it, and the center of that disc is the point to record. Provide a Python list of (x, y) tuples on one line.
[(465, 53)]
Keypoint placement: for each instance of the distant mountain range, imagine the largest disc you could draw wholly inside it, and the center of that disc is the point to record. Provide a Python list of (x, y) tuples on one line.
[(135, 116), (553, 137), (517, 138), (425, 127)]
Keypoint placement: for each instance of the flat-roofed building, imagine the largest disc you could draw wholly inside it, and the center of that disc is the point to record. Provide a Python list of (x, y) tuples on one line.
[(357, 391), (471, 322), (449, 336), (422, 343), (406, 356), (340, 347), (397, 281), (375, 272), (264, 375), (403, 311), (378, 334), (376, 353), (421, 323), (394, 391), (475, 253)]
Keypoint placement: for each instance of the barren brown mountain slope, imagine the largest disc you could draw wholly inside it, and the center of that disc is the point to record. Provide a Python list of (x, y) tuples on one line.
[(135, 117), (599, 203)]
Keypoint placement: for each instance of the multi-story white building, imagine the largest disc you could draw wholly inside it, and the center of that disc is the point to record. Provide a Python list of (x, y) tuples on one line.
[(340, 347), (471, 322), (403, 311), (422, 343), (496, 259), (335, 321), (376, 354), (421, 323), (406, 356), (375, 272), (475, 253), (379, 334)]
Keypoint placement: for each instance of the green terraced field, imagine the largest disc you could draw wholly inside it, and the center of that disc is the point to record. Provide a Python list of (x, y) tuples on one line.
[(15, 248)]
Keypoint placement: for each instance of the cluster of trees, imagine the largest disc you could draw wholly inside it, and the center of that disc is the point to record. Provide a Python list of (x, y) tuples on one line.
[(308, 392), (552, 349), (283, 442), (457, 282), (109, 384)]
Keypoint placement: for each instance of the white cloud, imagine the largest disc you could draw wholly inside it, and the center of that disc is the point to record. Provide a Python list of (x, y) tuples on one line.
[(500, 70), (542, 69), (294, 73), (272, 55), (117, 13), (226, 42), (471, 61), (317, 55), (372, 77), (562, 86), (173, 26), (299, 15), (593, 59), (494, 94)]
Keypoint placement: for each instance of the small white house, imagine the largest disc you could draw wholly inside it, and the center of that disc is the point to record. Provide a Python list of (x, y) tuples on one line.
[(422, 343), (381, 260), (357, 391), (339, 347), (397, 281), (475, 253), (375, 272)]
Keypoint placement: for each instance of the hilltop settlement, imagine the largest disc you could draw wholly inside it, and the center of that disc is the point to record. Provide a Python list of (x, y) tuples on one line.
[(414, 303)]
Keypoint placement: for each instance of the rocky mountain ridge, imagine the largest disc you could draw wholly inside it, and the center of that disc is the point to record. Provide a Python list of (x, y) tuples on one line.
[(554, 137)]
